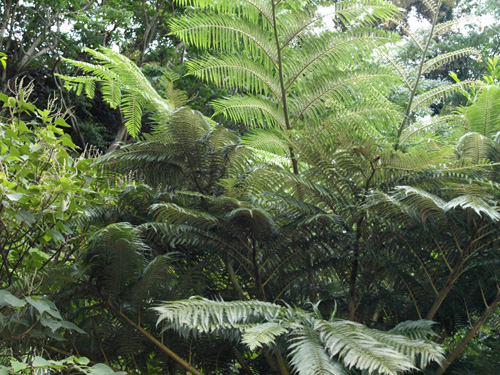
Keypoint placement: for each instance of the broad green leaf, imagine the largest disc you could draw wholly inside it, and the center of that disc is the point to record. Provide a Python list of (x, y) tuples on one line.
[(7, 299)]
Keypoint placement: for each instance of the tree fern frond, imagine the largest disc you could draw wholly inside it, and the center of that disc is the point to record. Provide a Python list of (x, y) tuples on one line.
[(319, 52), (132, 106), (358, 349), (406, 202), (205, 315), (340, 88), (445, 27), (251, 9), (430, 125), (399, 68), (308, 356), (483, 116), (264, 334), (431, 5), (415, 329), (476, 204), (252, 111), (440, 93), (407, 31), (177, 215), (365, 11), (420, 352), (123, 84), (448, 57), (115, 254), (269, 141), (230, 71), (476, 147), (225, 33)]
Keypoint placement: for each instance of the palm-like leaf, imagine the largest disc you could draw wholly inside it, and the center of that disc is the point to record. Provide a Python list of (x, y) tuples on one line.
[(316, 346)]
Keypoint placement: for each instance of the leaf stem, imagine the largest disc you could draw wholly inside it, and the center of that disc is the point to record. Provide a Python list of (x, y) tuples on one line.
[(419, 75)]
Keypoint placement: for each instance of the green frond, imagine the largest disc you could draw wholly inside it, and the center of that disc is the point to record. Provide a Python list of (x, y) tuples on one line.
[(368, 120), (421, 352), (415, 329), (114, 255), (132, 105), (431, 5), (399, 68), (251, 111), (442, 123), (250, 9), (405, 27), (483, 116), (318, 53), (176, 215), (177, 98), (476, 147), (206, 315), (440, 93), (367, 12), (293, 24), (80, 84), (406, 202), (226, 33), (445, 27), (155, 273), (264, 334), (476, 204), (308, 355), (267, 140), (446, 58), (232, 71), (341, 87), (415, 161), (356, 348), (220, 137), (123, 85)]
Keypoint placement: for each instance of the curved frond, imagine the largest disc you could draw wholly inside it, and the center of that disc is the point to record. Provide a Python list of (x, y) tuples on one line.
[(251, 111), (206, 315), (446, 58), (308, 355), (356, 348), (264, 334), (440, 93), (231, 71), (225, 33)]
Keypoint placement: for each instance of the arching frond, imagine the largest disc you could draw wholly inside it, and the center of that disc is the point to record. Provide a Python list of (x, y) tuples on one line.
[(114, 255), (483, 116), (431, 125), (366, 11), (318, 53), (250, 9), (230, 71), (308, 355), (440, 93), (446, 58), (226, 33), (206, 315), (445, 27), (123, 84), (251, 110), (264, 334), (337, 87)]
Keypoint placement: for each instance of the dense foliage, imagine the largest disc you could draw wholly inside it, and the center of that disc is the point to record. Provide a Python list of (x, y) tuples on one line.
[(341, 217)]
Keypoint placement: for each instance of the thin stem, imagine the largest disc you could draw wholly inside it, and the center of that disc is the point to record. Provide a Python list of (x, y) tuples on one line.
[(419, 76), (286, 114)]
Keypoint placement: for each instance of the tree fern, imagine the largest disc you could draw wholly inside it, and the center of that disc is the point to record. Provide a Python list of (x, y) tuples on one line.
[(314, 345)]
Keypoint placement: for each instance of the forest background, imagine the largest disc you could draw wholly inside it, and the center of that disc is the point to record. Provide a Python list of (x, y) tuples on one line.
[(249, 187)]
